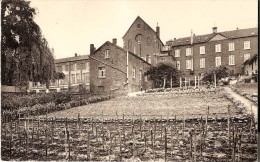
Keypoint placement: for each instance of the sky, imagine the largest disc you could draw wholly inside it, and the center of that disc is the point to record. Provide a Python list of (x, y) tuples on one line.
[(70, 26)]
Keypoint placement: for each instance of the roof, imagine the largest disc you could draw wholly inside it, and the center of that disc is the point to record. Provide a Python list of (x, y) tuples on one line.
[(239, 33), (107, 42), (138, 17), (70, 59), (251, 59)]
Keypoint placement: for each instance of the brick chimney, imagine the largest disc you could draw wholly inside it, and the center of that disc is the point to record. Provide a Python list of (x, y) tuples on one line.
[(114, 41), (76, 54), (158, 31), (214, 29), (92, 49)]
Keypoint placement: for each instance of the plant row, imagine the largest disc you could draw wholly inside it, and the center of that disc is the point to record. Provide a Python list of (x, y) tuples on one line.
[(250, 97)]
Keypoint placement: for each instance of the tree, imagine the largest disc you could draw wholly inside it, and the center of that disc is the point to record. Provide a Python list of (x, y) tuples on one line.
[(220, 71), (25, 55), (161, 73), (58, 76)]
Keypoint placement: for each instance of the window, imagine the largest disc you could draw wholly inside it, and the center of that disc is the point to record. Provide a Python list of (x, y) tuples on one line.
[(202, 50), (146, 78), (87, 78), (218, 61), (107, 54), (83, 77), (246, 56), (178, 65), (246, 44), (149, 41), (78, 78), (138, 38), (140, 74), (129, 45), (87, 65), (73, 78), (63, 67), (139, 26), (188, 64), (150, 59), (66, 78), (231, 47), (133, 72), (74, 66), (202, 62), (177, 52), (188, 51), (218, 48), (101, 72), (231, 60)]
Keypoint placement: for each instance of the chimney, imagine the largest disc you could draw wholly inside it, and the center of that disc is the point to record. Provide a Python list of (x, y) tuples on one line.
[(76, 54), (92, 49), (114, 41), (215, 29), (174, 38), (194, 35), (158, 31)]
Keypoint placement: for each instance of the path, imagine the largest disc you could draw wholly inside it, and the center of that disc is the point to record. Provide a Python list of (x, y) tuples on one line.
[(243, 100)]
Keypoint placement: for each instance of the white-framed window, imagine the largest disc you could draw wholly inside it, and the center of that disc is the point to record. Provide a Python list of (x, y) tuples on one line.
[(133, 72), (246, 44), (218, 48), (83, 77), (73, 78), (78, 76), (202, 62), (101, 72), (218, 61), (188, 64), (202, 50), (188, 51), (63, 67), (246, 56), (107, 53), (146, 78), (87, 78), (177, 52), (231, 46), (74, 67), (87, 65), (178, 65), (140, 75), (231, 59), (149, 59)]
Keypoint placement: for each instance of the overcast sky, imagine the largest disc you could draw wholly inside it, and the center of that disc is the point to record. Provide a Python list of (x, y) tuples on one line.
[(70, 26)]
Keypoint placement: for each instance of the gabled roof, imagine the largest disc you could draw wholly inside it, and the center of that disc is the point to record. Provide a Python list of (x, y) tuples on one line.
[(239, 33), (109, 43), (251, 60), (70, 59), (138, 17)]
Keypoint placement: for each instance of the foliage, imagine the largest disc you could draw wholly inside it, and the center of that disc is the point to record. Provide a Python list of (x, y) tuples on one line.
[(162, 73), (220, 71), (59, 75), (25, 55)]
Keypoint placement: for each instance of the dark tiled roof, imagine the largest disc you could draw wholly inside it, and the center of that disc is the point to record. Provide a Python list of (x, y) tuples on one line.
[(205, 38), (138, 17), (251, 59), (70, 59)]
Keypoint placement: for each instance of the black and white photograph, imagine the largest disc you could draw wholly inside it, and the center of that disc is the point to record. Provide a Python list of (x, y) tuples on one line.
[(129, 80)]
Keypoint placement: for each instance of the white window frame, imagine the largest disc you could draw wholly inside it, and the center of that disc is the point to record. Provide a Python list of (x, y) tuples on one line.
[(231, 46), (146, 78), (73, 78), (177, 52), (202, 62), (101, 72), (202, 50), (149, 59), (218, 61), (231, 59), (217, 48), (107, 54), (246, 56), (134, 72), (63, 67), (140, 74), (188, 51), (188, 64), (178, 65), (247, 45), (78, 77)]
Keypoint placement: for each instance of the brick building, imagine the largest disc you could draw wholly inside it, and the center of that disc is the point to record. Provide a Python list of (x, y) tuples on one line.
[(143, 41), (200, 53), (251, 65), (76, 70), (114, 70)]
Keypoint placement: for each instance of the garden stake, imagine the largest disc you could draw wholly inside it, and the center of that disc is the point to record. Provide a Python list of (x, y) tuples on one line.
[(165, 145), (46, 141), (191, 146), (120, 146), (110, 145), (201, 134), (10, 142), (88, 148), (175, 125), (92, 125), (195, 147), (145, 142), (229, 143), (68, 142), (141, 126)]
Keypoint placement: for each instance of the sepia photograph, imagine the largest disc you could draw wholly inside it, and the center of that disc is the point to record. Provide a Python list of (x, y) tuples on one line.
[(129, 80)]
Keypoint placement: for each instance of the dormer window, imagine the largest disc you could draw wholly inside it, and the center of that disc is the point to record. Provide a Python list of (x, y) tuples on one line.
[(107, 54)]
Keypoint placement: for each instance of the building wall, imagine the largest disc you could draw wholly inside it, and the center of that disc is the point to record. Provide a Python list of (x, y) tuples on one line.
[(145, 48), (210, 54), (251, 68), (115, 80)]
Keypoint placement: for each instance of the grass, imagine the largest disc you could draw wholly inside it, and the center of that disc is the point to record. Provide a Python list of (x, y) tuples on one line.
[(249, 88)]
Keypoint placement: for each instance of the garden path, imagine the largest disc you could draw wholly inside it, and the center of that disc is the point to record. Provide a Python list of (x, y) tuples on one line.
[(243, 100)]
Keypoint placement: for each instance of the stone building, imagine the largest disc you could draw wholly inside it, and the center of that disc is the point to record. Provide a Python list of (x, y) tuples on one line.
[(114, 70), (200, 53), (251, 66)]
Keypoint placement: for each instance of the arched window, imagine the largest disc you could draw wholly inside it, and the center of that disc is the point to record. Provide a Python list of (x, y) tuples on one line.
[(149, 41), (138, 38), (129, 45)]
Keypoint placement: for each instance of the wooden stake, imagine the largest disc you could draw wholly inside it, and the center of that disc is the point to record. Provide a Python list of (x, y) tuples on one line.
[(165, 145)]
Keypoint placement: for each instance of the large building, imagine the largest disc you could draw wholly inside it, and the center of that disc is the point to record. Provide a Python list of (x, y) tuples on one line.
[(143, 41), (198, 54), (114, 70)]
